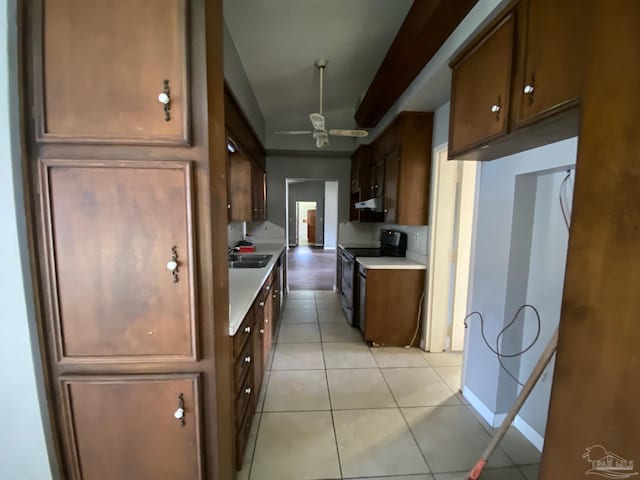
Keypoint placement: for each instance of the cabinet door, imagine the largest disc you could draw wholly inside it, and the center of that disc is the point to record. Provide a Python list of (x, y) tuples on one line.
[(125, 426), (377, 179), (552, 58), (480, 89), (102, 66), (240, 187), (391, 178), (258, 192), (268, 328), (112, 229), (258, 344)]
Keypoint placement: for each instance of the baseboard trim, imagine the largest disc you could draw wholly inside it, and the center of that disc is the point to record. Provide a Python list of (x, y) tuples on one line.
[(485, 412), (529, 432)]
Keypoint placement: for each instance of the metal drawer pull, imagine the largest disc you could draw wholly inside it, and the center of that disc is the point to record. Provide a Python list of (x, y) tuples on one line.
[(247, 390), (261, 304), (261, 331), (172, 265), (247, 329), (247, 359), (165, 99), (179, 413)]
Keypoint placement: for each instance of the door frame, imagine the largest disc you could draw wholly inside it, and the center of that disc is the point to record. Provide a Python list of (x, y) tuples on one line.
[(451, 215)]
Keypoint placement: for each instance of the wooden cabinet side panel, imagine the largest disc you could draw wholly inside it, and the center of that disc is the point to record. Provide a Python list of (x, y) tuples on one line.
[(392, 304)]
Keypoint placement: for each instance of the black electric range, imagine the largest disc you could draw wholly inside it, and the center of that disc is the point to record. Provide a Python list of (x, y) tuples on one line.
[(392, 244)]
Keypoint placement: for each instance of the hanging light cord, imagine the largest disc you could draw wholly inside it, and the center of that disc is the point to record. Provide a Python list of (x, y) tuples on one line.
[(497, 351)]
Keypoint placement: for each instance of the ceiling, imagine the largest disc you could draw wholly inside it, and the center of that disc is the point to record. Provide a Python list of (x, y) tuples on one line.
[(278, 42)]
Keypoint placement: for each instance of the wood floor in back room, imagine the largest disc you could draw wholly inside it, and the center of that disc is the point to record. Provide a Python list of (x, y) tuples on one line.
[(311, 268)]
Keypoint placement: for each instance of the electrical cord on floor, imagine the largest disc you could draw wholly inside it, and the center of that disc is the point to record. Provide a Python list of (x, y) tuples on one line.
[(417, 321), (496, 351)]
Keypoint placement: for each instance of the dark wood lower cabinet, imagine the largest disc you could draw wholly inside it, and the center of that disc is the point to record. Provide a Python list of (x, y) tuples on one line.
[(391, 305), (110, 418), (252, 346)]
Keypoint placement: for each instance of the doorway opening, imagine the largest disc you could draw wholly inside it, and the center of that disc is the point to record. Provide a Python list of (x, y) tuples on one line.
[(311, 231), (452, 215), (306, 223)]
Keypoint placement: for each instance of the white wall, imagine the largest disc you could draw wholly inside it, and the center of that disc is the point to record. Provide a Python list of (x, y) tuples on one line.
[(23, 451), (239, 84), (330, 215), (309, 168), (544, 289), (500, 263)]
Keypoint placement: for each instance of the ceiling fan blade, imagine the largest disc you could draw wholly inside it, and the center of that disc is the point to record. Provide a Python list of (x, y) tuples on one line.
[(348, 133), (293, 132), (317, 120)]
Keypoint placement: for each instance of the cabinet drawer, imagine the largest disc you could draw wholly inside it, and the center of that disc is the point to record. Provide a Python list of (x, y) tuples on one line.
[(242, 364), (243, 333), (244, 398)]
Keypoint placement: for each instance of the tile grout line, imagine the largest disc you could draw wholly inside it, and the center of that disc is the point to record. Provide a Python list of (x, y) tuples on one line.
[(469, 408), (393, 395), (326, 378)]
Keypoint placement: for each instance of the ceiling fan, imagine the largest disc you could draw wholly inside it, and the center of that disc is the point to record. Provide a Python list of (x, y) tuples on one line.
[(320, 133)]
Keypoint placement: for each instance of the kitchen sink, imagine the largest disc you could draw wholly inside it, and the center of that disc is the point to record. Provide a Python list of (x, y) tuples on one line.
[(248, 261)]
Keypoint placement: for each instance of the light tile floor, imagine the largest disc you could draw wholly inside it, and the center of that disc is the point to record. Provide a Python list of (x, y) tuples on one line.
[(333, 408)]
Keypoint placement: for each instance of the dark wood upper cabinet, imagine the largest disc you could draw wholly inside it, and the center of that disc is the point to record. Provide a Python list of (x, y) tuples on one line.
[(551, 58), (404, 148), (391, 178), (114, 297), (99, 72), (515, 84), (240, 188), (111, 417), (258, 192), (481, 89)]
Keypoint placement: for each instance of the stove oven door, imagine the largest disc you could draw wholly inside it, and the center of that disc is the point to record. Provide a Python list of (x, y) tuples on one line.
[(346, 281)]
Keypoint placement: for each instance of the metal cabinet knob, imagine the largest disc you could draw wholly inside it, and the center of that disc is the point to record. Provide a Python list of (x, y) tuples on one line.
[(386, 210), (179, 413), (247, 359), (247, 390), (495, 108), (528, 89), (267, 288), (164, 98), (247, 329), (261, 304), (261, 331), (172, 265)]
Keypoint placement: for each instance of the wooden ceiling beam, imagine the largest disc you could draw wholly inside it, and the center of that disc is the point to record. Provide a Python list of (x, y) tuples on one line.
[(423, 31)]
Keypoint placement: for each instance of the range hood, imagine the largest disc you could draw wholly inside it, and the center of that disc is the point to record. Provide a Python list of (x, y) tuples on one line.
[(374, 204)]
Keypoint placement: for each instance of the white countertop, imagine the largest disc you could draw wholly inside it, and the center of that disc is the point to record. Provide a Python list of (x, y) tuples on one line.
[(390, 263), (245, 284)]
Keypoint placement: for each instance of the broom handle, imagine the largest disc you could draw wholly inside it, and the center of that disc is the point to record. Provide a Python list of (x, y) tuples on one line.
[(524, 394)]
